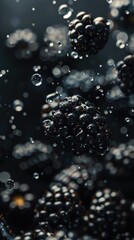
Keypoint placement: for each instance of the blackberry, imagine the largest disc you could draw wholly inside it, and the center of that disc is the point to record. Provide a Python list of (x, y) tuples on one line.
[(37, 234), (108, 214), (125, 71), (122, 12), (84, 179), (38, 157), (23, 42), (5, 231), (87, 84), (124, 236), (59, 208), (119, 161), (77, 126), (88, 35)]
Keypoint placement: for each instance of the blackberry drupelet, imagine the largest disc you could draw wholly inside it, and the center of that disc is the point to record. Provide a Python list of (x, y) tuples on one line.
[(108, 215), (77, 126), (88, 35), (84, 179), (125, 70), (119, 161), (37, 234), (65, 235)]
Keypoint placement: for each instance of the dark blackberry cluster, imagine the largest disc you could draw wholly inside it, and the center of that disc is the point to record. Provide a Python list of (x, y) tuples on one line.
[(65, 235), (122, 12), (37, 234), (59, 208), (119, 161), (108, 215), (88, 35), (77, 126), (125, 70), (85, 180)]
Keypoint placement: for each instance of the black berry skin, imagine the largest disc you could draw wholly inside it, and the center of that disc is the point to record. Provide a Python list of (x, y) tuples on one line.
[(88, 35), (125, 71), (59, 208), (108, 215), (78, 127)]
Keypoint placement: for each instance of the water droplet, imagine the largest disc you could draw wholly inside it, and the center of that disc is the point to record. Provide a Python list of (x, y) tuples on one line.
[(65, 11), (52, 97), (18, 105), (120, 44), (31, 140), (36, 79), (74, 55), (109, 1), (36, 175), (9, 184)]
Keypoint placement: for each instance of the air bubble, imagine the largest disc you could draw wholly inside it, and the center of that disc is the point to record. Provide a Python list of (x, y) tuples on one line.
[(65, 11), (36, 79), (9, 184), (52, 97), (18, 105), (36, 175), (74, 55)]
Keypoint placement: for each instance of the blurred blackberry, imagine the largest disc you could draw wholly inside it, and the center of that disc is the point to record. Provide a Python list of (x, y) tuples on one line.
[(124, 236), (59, 208), (119, 161), (125, 70), (31, 235), (122, 12), (40, 158), (18, 204), (23, 43), (84, 179), (108, 214), (56, 43), (62, 235), (87, 84), (5, 231), (88, 35), (77, 126)]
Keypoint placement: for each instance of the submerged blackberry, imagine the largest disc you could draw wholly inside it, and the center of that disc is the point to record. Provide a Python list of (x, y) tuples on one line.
[(88, 35), (77, 126), (23, 42), (119, 161), (125, 70), (84, 179), (38, 157), (108, 214), (59, 208)]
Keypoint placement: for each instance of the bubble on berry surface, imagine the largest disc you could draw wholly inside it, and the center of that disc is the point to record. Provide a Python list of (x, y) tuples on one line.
[(9, 184), (18, 105), (120, 44), (52, 97), (65, 11), (36, 68), (36, 79)]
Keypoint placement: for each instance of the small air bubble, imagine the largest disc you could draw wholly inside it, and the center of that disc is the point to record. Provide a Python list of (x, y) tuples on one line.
[(36, 79), (9, 184), (65, 11), (36, 175)]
